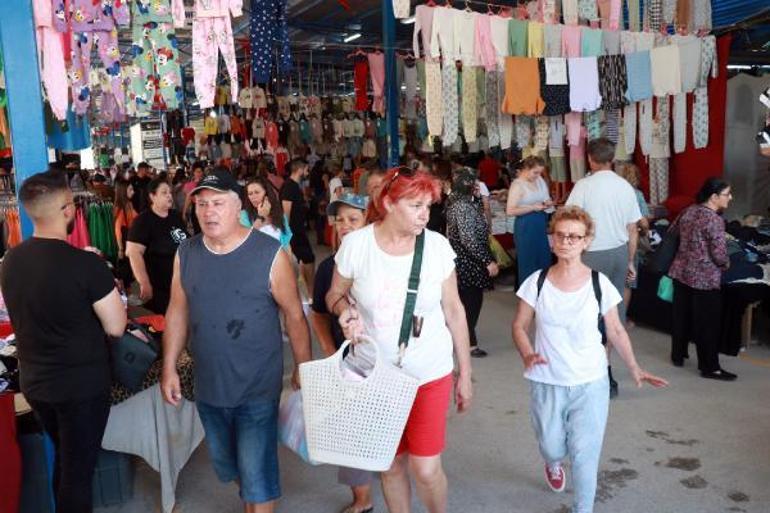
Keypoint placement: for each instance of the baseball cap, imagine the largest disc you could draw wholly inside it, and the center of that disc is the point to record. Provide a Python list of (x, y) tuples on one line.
[(219, 180), (349, 199)]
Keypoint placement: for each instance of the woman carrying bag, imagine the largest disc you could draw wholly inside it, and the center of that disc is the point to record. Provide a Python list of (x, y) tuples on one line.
[(371, 295)]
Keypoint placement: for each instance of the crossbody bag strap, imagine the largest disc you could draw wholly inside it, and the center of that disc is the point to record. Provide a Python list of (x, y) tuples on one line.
[(411, 297)]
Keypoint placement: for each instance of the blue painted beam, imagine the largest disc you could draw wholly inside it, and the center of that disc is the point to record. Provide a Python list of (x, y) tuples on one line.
[(391, 87), (25, 96)]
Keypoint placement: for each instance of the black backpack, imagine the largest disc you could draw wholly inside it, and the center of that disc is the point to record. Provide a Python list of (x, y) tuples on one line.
[(597, 294)]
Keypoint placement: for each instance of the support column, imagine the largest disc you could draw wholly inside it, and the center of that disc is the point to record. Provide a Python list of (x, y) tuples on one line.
[(25, 96), (391, 87)]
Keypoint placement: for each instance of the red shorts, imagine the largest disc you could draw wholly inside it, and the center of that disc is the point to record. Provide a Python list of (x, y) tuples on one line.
[(425, 432)]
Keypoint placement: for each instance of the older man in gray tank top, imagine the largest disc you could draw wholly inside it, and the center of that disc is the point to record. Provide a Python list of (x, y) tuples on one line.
[(228, 286)]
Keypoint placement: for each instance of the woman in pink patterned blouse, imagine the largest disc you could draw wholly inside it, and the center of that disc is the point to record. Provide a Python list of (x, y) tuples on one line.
[(697, 272)]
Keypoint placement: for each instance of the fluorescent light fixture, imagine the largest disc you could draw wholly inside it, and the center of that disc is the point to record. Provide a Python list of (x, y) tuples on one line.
[(352, 37), (407, 21)]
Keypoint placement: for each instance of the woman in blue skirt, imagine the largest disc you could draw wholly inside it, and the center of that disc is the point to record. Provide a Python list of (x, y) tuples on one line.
[(530, 202)]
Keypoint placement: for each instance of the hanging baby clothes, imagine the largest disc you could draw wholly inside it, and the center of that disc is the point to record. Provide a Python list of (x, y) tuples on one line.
[(212, 33), (577, 157), (554, 86), (591, 42), (523, 131), (484, 49), (665, 64), (522, 87), (700, 115), (669, 10), (492, 108), (410, 78), (570, 11), (593, 124), (504, 121), (645, 126), (470, 104), (442, 36), (558, 170), (449, 92), (499, 28), (89, 22), (535, 40), (400, 9), (634, 21), (639, 78), (423, 26), (570, 41), (552, 36), (377, 72), (653, 15), (612, 83), (660, 153), (465, 37), (611, 42), (584, 94), (587, 10), (361, 81), (540, 142), (629, 128), (610, 12), (155, 52), (701, 15), (549, 11), (517, 38), (434, 109), (51, 58), (268, 30), (689, 47)]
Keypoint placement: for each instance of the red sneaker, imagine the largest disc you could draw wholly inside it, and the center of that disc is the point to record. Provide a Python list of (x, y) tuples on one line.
[(555, 477)]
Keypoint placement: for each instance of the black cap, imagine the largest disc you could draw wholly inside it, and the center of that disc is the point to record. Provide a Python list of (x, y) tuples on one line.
[(218, 180)]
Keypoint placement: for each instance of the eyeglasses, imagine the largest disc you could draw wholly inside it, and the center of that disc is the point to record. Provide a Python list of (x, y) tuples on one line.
[(727, 194), (569, 238), (64, 207)]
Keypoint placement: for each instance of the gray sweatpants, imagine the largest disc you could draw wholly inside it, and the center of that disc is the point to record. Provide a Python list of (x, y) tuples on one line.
[(613, 263)]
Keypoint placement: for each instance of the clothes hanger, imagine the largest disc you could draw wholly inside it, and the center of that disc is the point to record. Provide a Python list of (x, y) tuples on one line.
[(468, 7)]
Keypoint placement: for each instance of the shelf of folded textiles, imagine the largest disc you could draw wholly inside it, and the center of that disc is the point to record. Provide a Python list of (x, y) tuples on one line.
[(184, 367)]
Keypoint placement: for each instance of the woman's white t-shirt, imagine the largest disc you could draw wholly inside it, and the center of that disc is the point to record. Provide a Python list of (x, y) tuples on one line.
[(379, 289), (567, 332)]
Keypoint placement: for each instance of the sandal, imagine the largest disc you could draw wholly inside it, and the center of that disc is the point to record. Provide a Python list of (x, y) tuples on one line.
[(352, 509)]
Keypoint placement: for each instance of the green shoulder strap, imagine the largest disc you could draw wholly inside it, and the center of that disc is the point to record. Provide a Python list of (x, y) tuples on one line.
[(411, 294)]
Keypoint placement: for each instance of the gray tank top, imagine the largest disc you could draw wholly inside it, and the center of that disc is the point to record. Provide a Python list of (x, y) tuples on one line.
[(235, 332), (537, 194)]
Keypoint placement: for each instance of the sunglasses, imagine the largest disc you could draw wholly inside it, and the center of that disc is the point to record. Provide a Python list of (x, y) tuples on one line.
[(400, 171)]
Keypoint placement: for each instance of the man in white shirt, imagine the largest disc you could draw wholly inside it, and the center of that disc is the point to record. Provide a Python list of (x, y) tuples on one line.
[(612, 204)]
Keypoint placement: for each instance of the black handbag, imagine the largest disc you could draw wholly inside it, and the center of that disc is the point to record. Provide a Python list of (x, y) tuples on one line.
[(132, 357), (661, 259)]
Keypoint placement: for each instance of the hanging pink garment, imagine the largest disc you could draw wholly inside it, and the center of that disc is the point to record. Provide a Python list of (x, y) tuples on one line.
[(51, 58), (570, 41), (377, 71)]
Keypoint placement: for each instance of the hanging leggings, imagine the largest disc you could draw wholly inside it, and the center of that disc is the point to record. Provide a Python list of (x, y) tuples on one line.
[(377, 71), (360, 83), (155, 57), (658, 181), (504, 121), (449, 91), (434, 109), (53, 70), (209, 37), (268, 30), (645, 126), (700, 118), (680, 122), (493, 109), (470, 104), (80, 68), (629, 128)]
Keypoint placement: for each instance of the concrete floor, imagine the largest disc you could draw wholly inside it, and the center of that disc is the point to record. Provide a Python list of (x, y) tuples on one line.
[(699, 446)]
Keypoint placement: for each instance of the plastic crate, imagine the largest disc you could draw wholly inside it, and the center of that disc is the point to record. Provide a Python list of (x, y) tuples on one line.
[(113, 479)]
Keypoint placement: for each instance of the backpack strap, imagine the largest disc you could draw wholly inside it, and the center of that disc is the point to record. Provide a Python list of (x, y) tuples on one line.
[(597, 288), (541, 279)]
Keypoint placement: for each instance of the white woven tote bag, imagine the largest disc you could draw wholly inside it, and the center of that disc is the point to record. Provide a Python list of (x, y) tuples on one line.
[(355, 424)]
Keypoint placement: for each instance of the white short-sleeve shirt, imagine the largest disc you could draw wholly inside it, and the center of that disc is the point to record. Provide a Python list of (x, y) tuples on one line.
[(611, 202), (567, 332), (379, 289)]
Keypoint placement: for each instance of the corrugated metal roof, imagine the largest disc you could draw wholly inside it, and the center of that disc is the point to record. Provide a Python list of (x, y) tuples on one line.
[(727, 12)]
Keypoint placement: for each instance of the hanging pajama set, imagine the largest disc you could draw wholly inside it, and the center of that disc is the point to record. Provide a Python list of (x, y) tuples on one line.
[(51, 58), (700, 114), (155, 52), (554, 85), (212, 33), (89, 22), (269, 30), (442, 44), (522, 87), (689, 56), (465, 49), (660, 152), (558, 169)]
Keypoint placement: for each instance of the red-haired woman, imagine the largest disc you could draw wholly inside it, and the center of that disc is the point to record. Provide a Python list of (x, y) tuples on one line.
[(368, 294)]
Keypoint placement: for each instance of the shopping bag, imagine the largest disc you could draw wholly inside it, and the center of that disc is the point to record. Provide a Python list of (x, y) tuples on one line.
[(503, 259), (291, 425), (666, 289)]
